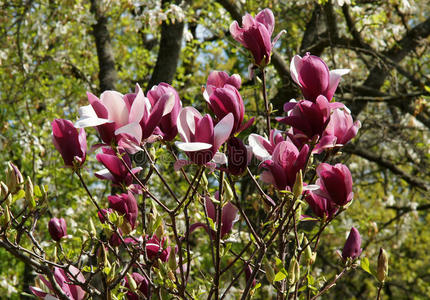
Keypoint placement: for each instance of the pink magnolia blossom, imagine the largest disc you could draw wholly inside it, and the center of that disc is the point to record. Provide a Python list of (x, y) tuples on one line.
[(200, 139), (314, 78), (71, 143), (57, 228), (308, 118), (352, 248), (282, 168), (115, 170), (342, 126), (167, 123), (126, 205), (74, 292), (229, 216), (219, 79), (321, 207), (127, 119), (255, 35), (335, 183), (142, 286), (238, 156), (155, 249), (263, 148)]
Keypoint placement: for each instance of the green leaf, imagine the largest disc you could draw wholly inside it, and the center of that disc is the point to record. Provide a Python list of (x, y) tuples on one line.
[(279, 276), (365, 265)]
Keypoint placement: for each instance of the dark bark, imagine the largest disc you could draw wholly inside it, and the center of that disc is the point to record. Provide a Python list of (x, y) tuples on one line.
[(168, 53), (387, 164), (107, 71)]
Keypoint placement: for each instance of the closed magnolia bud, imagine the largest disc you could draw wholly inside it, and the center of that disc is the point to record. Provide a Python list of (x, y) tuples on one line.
[(293, 271), (172, 261), (57, 228), (382, 270), (13, 178), (307, 254), (298, 185), (4, 190), (270, 274), (5, 218), (29, 193), (131, 283)]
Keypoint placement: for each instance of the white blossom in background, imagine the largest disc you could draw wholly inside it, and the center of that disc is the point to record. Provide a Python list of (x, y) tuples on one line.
[(188, 36)]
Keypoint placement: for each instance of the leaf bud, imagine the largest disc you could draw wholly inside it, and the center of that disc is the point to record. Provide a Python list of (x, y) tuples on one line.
[(29, 193), (13, 178)]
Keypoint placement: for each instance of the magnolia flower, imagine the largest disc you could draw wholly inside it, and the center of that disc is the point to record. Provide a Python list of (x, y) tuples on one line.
[(74, 292), (200, 139), (219, 79), (238, 156), (225, 100), (342, 126), (352, 248), (115, 170), (57, 228), (314, 78), (255, 35), (71, 143), (284, 165), (323, 208), (263, 148), (167, 123), (335, 183), (308, 118), (126, 119), (155, 249), (126, 205), (229, 216)]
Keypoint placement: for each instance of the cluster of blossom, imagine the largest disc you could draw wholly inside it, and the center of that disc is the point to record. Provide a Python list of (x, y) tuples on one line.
[(125, 123)]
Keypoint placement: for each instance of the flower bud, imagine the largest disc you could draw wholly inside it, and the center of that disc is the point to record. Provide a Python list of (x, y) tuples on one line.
[(270, 273), (352, 248), (298, 185), (131, 283), (307, 254), (382, 270), (293, 271), (13, 178), (57, 228), (5, 218), (29, 193), (172, 261), (4, 190)]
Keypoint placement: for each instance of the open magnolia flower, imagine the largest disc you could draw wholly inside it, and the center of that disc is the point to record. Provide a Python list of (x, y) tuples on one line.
[(74, 292), (314, 78), (127, 119), (200, 138), (263, 148), (255, 35)]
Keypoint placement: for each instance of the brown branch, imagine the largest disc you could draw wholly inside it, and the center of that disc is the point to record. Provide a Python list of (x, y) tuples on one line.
[(383, 162)]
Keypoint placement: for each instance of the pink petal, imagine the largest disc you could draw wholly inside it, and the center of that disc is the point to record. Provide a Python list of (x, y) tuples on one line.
[(267, 19), (222, 130), (116, 106), (295, 66)]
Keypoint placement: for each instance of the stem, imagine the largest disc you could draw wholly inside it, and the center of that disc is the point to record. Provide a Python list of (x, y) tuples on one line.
[(218, 237), (330, 285), (266, 101), (379, 291)]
